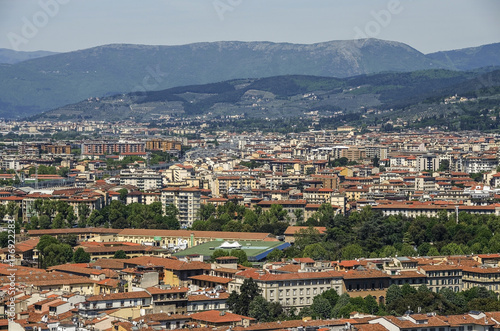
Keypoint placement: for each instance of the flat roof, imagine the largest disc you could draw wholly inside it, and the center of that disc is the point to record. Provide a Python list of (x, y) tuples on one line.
[(255, 250)]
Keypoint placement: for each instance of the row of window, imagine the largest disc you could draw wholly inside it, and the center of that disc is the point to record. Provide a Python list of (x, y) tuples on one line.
[(307, 282), (443, 281)]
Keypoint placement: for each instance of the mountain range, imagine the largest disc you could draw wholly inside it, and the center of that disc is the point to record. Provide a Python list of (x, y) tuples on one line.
[(33, 86), (10, 56), (292, 96)]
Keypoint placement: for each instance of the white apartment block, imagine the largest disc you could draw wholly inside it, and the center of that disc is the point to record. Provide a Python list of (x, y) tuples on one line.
[(187, 201)]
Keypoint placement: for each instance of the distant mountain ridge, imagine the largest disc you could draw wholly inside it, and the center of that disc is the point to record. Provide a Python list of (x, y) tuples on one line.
[(45, 83), (10, 56), (281, 97), (469, 58)]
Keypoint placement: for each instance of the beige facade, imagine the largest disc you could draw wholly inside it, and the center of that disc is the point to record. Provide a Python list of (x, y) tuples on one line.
[(186, 200), (291, 290)]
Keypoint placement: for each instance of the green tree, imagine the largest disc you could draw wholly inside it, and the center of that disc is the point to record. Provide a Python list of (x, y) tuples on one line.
[(352, 251), (444, 165), (259, 309), (305, 237), (316, 252), (52, 252), (80, 256), (83, 212), (407, 290), (342, 302), (3, 211), (4, 239), (275, 256), (123, 194), (240, 303), (12, 209), (332, 296), (321, 307), (241, 255), (63, 171), (120, 254), (371, 304), (69, 239), (393, 294), (218, 253), (433, 251), (56, 254)]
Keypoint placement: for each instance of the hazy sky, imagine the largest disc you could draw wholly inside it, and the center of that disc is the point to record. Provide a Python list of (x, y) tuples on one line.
[(65, 25)]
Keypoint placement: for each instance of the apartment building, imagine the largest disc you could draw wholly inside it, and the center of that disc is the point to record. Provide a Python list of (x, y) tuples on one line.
[(427, 162), (228, 184), (90, 148), (96, 304), (318, 195), (488, 278), (56, 148), (291, 289), (440, 276), (143, 179), (163, 145), (425, 183), (186, 200), (431, 209)]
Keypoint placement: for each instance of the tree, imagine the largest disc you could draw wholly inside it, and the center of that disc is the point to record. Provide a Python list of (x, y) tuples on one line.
[(332, 296), (407, 290), (12, 209), (4, 239), (393, 294), (371, 304), (321, 307), (170, 221), (80, 256), (275, 256), (444, 165), (305, 237), (241, 255), (259, 309), (352, 251), (52, 252), (343, 301), (240, 303), (55, 254), (299, 215), (120, 254), (63, 171), (3, 211), (44, 222), (83, 212), (69, 239), (433, 251), (316, 252), (123, 194)]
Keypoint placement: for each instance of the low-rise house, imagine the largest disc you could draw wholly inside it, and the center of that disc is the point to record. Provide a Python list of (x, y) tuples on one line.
[(96, 304), (169, 300), (207, 300), (215, 318)]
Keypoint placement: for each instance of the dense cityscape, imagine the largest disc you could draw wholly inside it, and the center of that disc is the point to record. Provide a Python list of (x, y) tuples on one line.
[(232, 165), (124, 225)]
